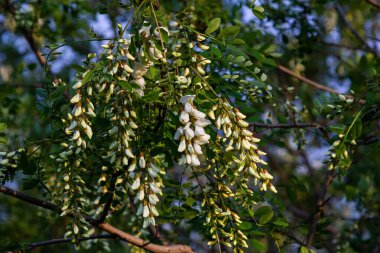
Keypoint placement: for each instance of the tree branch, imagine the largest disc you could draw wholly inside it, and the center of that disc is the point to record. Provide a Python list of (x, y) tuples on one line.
[(33, 245), (306, 80), (313, 83), (103, 226), (375, 3), (28, 35), (340, 11)]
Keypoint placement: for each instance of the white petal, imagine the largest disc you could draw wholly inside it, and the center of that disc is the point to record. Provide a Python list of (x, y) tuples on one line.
[(195, 160), (202, 122), (199, 131), (198, 114), (203, 139), (141, 194), (178, 134), (182, 160), (198, 149), (136, 184), (142, 162), (189, 133), (189, 108), (188, 159), (75, 99), (184, 118), (146, 212), (187, 99), (182, 145), (140, 81), (77, 85)]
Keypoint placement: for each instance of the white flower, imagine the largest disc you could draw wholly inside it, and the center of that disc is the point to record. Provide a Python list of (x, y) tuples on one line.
[(154, 188), (199, 131), (140, 82), (187, 99), (139, 70), (182, 145), (198, 115), (202, 139), (197, 149), (243, 123), (146, 212), (142, 163), (189, 108), (141, 194), (195, 160), (136, 183), (76, 135), (75, 99), (188, 159), (77, 85), (182, 79), (202, 122), (178, 133), (273, 189), (146, 30), (184, 117), (189, 133)]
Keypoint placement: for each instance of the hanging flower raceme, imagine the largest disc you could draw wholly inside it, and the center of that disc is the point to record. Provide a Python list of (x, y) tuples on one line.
[(122, 132), (8, 164), (191, 135), (240, 140), (147, 184)]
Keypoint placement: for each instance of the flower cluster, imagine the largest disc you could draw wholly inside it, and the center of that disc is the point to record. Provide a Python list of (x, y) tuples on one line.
[(8, 164), (191, 135), (147, 183), (218, 219), (79, 123), (240, 140), (123, 121)]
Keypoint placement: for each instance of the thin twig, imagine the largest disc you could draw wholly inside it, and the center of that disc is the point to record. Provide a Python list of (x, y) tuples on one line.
[(340, 11), (34, 245), (306, 80), (345, 46), (28, 34), (103, 226)]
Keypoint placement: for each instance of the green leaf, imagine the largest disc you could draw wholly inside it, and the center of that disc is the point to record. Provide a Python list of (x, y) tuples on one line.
[(3, 126), (258, 11), (264, 214), (152, 96), (215, 51), (213, 25), (238, 42), (245, 225), (306, 250), (260, 246), (3, 139), (78, 68), (338, 128), (281, 222), (230, 31), (240, 59), (86, 76), (269, 61)]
